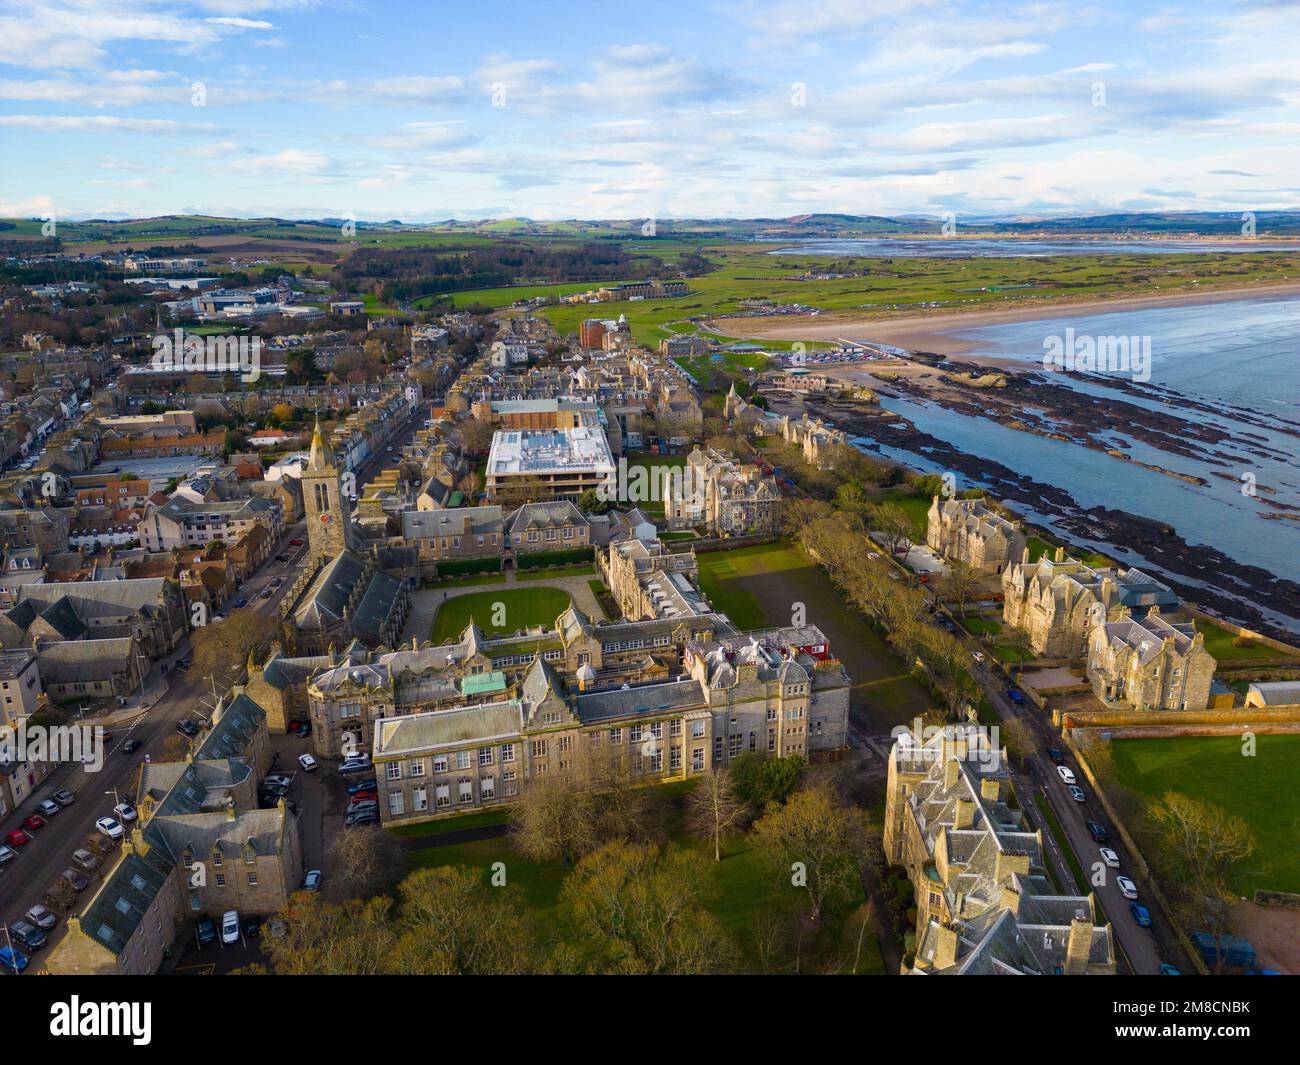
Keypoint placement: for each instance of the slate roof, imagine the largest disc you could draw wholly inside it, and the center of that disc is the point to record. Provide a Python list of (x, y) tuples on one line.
[(398, 737), (646, 699)]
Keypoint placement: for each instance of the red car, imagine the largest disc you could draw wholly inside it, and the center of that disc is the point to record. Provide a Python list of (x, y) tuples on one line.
[(363, 796), (34, 822), (295, 543), (17, 838)]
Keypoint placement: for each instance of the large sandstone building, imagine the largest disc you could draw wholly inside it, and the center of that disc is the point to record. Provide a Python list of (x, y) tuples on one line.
[(984, 902), (970, 531), (1059, 601), (1150, 664)]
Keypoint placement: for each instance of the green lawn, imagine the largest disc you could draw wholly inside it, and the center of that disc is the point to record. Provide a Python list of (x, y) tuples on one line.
[(1218, 642), (1260, 789), (915, 507), (980, 626), (654, 508), (759, 586), (523, 607), (1058, 833)]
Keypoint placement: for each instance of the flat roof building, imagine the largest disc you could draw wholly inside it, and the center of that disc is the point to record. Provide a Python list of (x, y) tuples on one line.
[(535, 465)]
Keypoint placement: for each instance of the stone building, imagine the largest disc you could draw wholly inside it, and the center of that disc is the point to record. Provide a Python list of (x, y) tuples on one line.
[(1059, 601), (200, 845), (647, 580), (726, 497), (970, 531), (777, 692), (346, 597), (985, 904), (1150, 664), (325, 504), (155, 610)]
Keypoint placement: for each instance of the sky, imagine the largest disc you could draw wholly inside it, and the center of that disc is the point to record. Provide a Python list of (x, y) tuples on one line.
[(428, 110)]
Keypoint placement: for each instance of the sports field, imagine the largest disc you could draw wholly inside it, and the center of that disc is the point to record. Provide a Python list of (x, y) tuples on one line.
[(1260, 789)]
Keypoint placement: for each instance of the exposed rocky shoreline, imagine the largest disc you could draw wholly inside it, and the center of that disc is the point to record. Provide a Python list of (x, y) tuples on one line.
[(1181, 564)]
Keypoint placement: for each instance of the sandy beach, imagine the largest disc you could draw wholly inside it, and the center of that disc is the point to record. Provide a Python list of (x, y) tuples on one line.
[(941, 330)]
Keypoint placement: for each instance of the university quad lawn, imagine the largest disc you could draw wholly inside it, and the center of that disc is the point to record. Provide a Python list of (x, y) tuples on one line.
[(523, 607), (757, 587), (739, 887), (1260, 789)]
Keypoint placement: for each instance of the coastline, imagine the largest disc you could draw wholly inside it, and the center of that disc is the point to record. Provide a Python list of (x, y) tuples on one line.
[(941, 329)]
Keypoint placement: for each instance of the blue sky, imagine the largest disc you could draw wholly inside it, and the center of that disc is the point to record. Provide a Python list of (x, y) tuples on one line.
[(426, 110)]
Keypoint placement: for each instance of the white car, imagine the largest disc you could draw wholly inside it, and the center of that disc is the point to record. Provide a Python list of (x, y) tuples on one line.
[(1126, 887), (307, 762), (110, 827), (126, 812), (978, 656), (1065, 773), (230, 926), (1109, 857)]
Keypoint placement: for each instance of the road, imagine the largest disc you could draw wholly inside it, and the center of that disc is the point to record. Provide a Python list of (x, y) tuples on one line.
[(1142, 949)]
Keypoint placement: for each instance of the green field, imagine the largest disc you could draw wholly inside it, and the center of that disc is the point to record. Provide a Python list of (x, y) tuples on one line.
[(1218, 642), (1260, 789), (523, 607), (758, 587)]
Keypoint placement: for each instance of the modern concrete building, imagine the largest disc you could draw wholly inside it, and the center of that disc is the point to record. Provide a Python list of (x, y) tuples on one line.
[(529, 466)]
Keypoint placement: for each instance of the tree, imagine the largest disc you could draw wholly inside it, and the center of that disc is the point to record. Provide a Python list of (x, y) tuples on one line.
[(221, 648), (365, 861), (813, 840), (589, 502), (761, 781), (1201, 846), (1019, 643), (475, 436), (639, 907), (323, 938), (715, 808), (556, 819), (891, 521), (451, 922), (959, 583), (797, 513)]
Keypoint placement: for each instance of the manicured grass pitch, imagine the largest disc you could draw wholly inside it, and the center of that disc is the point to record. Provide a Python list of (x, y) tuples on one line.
[(522, 607), (1261, 789)]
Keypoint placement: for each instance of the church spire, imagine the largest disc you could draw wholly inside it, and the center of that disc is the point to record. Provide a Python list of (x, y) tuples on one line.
[(319, 452)]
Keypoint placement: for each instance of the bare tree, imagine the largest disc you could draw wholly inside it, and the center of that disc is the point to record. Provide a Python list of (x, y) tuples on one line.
[(556, 819), (715, 809), (959, 583), (365, 861)]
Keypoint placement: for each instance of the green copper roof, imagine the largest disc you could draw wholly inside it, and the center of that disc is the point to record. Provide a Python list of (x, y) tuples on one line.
[(483, 683)]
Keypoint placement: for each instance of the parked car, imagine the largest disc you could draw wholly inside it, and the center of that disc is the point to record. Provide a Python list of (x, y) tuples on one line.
[(282, 558), (34, 822), (311, 882), (1056, 755), (1097, 831), (276, 582), (363, 785), (307, 762), (1140, 914), (7, 853), (85, 860), (295, 542), (1065, 773), (361, 817), (241, 602), (17, 838), (266, 593), (110, 827), (74, 880), (48, 807), (1015, 695), (1168, 970), (27, 936), (41, 917), (277, 780), (186, 727), (978, 656), (206, 929), (12, 961), (251, 926), (230, 927), (125, 812), (64, 797), (363, 796), (357, 805), (349, 767), (131, 746), (1126, 887), (1076, 793)]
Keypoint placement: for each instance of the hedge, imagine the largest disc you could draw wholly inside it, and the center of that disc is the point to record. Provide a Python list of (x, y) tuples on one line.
[(554, 558), (461, 566)]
